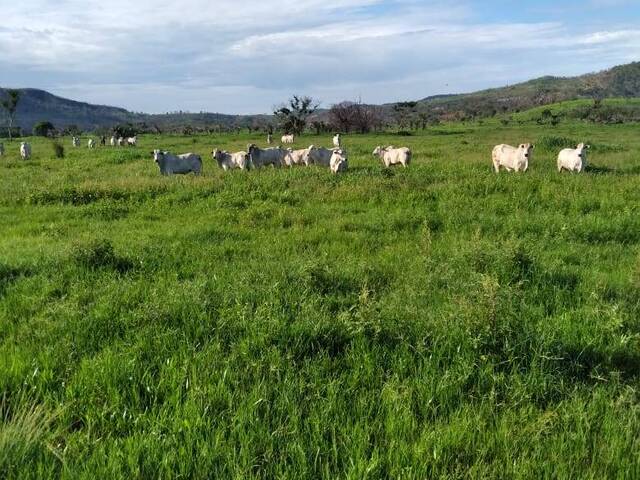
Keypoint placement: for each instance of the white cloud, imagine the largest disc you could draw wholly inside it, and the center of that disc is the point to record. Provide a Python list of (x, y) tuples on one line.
[(221, 56)]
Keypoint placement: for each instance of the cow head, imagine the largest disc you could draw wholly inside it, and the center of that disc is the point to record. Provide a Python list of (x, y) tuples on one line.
[(158, 155), (339, 161), (378, 151), (526, 150)]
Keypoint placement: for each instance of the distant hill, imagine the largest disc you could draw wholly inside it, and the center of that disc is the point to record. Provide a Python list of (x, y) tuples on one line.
[(619, 82)]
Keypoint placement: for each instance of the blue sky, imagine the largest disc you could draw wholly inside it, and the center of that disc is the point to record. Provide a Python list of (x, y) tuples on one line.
[(247, 56)]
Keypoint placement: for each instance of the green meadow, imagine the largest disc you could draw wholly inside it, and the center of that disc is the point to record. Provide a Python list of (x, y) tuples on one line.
[(436, 322)]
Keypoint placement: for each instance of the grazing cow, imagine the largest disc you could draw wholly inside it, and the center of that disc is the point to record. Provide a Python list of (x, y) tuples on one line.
[(269, 139), (573, 159), (511, 158), (1, 149), (337, 142), (229, 161), (25, 151), (296, 157), (288, 138), (319, 156), (180, 164), (91, 143), (103, 141), (120, 141), (338, 161), (132, 141), (113, 141), (394, 156), (268, 156), (75, 141)]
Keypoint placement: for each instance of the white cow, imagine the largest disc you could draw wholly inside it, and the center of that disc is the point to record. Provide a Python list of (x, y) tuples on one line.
[(337, 140), (91, 143), (1, 149), (132, 141), (296, 157), (338, 162), (180, 164), (25, 151), (75, 141), (120, 141), (573, 159), (268, 156), (393, 156), (511, 158), (269, 139), (288, 138), (319, 156), (113, 141), (229, 161)]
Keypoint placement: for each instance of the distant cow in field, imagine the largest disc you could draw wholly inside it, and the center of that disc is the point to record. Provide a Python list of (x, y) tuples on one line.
[(132, 141), (319, 156), (337, 142), (268, 156), (393, 156), (229, 161), (103, 141), (113, 141), (75, 141), (269, 139), (512, 158), (338, 162), (573, 159), (296, 157), (177, 164), (25, 151), (120, 141), (91, 143), (288, 138)]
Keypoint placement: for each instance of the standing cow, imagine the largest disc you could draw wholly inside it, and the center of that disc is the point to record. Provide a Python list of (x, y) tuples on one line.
[(269, 139), (178, 164), (113, 141), (338, 162), (288, 139), (132, 141), (268, 156), (319, 156), (573, 159), (25, 151), (296, 157), (512, 158), (393, 156), (75, 141), (91, 143), (229, 161), (337, 141)]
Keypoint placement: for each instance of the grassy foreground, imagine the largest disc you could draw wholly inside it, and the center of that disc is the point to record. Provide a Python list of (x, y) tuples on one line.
[(435, 322)]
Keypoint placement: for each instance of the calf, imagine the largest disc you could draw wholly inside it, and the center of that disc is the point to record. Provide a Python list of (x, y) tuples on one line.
[(573, 159), (179, 164), (229, 161), (511, 158)]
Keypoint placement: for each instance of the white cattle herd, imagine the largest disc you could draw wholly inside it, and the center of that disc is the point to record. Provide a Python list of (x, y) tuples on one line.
[(511, 159)]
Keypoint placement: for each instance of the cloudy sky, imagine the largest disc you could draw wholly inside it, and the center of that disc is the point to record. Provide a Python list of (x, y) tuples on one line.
[(245, 56)]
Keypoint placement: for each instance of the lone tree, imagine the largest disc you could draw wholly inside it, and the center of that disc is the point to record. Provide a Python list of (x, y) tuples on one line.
[(292, 117), (10, 104), (355, 116), (43, 129)]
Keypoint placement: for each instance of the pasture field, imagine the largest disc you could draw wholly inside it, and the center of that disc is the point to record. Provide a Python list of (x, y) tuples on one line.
[(435, 322)]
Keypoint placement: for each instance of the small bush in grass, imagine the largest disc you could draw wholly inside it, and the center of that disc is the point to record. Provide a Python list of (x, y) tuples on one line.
[(99, 254), (58, 149)]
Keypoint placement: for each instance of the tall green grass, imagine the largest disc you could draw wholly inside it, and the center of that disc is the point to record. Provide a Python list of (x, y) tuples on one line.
[(438, 321)]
